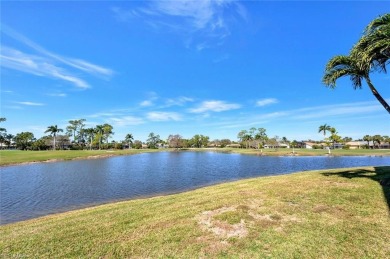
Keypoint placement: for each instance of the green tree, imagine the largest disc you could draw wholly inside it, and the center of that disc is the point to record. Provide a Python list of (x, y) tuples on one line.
[(53, 130), (386, 139), (373, 49), (153, 140), (8, 139), (99, 129), (224, 142), (129, 139), (107, 131), (324, 128), (137, 144), (24, 140), (370, 53), (2, 119), (293, 143), (90, 134), (261, 137), (75, 129), (334, 137), (368, 138), (377, 139)]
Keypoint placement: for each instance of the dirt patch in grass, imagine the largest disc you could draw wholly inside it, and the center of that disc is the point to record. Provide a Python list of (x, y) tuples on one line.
[(233, 221), (213, 222)]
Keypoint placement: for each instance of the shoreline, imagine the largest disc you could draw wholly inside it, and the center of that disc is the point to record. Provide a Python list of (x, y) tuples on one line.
[(113, 153)]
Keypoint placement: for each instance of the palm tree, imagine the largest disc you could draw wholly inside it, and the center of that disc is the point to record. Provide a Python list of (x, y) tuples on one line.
[(1, 120), (371, 52), (107, 131), (324, 128), (129, 139), (99, 131), (53, 131), (8, 138), (90, 132), (374, 47), (367, 138)]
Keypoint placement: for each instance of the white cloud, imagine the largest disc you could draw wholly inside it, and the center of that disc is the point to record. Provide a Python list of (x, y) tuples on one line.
[(325, 111), (152, 96), (208, 19), (180, 101), (164, 116), (30, 103), (146, 103), (215, 106), (264, 102), (126, 121), (46, 63), (58, 94)]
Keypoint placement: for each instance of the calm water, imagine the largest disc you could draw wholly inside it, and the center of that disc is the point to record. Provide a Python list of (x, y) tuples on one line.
[(29, 191)]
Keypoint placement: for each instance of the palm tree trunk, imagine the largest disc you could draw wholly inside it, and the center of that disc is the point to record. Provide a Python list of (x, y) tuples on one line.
[(377, 95)]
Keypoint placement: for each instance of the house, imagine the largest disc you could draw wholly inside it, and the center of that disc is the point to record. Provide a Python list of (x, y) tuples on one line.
[(356, 144), (309, 145), (278, 145), (234, 145)]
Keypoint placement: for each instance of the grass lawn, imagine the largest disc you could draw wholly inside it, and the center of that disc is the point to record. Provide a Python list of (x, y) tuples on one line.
[(341, 213), (8, 157)]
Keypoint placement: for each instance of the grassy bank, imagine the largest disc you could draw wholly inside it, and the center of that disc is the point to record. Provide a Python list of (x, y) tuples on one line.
[(340, 213), (309, 152), (8, 157)]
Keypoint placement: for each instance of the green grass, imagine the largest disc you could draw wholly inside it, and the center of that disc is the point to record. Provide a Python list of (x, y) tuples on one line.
[(341, 213), (8, 157), (309, 152)]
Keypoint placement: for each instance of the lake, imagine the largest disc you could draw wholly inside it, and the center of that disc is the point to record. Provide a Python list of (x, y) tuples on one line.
[(29, 191)]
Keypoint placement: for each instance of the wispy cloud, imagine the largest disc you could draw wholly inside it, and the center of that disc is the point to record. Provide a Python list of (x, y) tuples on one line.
[(179, 101), (264, 102), (200, 21), (58, 94), (46, 63), (152, 96), (125, 121), (164, 116), (305, 115), (325, 111), (30, 103), (103, 114), (214, 106), (146, 103)]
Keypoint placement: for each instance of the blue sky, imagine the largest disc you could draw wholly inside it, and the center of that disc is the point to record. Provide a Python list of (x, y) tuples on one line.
[(186, 67)]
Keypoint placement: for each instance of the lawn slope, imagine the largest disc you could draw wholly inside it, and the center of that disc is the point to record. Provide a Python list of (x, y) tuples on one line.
[(341, 213)]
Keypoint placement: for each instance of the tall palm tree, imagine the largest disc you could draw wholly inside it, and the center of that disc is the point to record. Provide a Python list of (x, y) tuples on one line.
[(129, 139), (376, 42), (90, 132), (107, 131), (99, 131), (324, 128), (340, 66), (53, 130), (368, 138), (371, 52)]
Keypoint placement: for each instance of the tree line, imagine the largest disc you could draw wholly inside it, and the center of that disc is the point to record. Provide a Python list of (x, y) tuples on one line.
[(77, 136)]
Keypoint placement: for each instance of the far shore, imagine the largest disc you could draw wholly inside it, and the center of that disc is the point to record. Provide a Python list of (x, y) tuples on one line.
[(17, 157)]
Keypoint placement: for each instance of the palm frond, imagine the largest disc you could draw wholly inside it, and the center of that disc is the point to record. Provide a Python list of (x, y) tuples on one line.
[(378, 23)]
